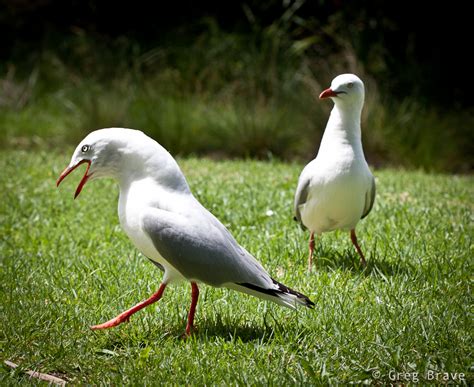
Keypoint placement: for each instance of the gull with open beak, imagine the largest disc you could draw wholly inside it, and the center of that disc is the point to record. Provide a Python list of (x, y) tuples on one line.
[(337, 189), (168, 225)]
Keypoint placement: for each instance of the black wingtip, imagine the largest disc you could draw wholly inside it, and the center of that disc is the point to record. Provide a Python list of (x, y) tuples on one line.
[(159, 265), (282, 289), (303, 227), (285, 289)]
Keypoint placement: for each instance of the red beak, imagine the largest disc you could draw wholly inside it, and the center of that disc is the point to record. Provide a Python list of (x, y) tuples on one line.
[(327, 93), (84, 179)]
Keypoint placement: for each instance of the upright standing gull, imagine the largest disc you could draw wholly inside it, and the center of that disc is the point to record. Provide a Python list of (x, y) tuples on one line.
[(168, 225), (337, 189)]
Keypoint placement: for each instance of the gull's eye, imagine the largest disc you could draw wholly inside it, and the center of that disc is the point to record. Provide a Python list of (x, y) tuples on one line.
[(85, 148), (350, 85)]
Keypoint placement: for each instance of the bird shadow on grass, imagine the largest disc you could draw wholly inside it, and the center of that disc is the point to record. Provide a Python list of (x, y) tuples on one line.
[(204, 331), (348, 260), (228, 332)]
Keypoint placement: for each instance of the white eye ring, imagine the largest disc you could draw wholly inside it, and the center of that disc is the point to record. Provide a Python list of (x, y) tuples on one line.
[(350, 85), (85, 148)]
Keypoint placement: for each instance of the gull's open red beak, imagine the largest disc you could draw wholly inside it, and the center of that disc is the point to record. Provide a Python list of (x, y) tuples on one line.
[(327, 93), (84, 179)]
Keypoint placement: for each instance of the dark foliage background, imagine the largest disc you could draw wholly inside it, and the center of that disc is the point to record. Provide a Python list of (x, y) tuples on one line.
[(275, 55)]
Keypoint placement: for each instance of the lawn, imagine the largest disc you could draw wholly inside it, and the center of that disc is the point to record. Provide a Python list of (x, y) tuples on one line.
[(66, 264)]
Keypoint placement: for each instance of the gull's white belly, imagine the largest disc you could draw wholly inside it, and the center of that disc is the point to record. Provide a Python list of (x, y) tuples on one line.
[(130, 219), (334, 204)]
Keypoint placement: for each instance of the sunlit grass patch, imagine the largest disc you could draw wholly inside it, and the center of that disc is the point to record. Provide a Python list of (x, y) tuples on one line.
[(66, 264)]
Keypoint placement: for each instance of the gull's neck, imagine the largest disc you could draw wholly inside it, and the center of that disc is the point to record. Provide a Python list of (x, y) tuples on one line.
[(343, 129), (155, 165)]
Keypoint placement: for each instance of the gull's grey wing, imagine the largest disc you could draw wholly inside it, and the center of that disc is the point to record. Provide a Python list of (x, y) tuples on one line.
[(301, 196), (201, 248), (369, 199)]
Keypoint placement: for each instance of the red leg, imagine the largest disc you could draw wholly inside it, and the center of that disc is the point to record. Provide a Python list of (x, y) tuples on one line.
[(311, 250), (124, 316), (356, 244), (192, 309)]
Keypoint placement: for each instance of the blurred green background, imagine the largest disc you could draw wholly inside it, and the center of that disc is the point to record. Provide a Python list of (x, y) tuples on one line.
[(237, 79)]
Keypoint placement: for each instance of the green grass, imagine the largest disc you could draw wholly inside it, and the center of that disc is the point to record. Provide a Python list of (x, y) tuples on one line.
[(66, 264)]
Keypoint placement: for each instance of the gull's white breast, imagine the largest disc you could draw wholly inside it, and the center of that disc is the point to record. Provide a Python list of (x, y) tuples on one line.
[(336, 195), (135, 199)]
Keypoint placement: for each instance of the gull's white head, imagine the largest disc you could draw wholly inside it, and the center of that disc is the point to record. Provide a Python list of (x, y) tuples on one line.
[(107, 151), (346, 90)]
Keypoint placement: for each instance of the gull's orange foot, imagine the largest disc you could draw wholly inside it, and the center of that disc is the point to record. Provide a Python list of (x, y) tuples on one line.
[(111, 323)]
